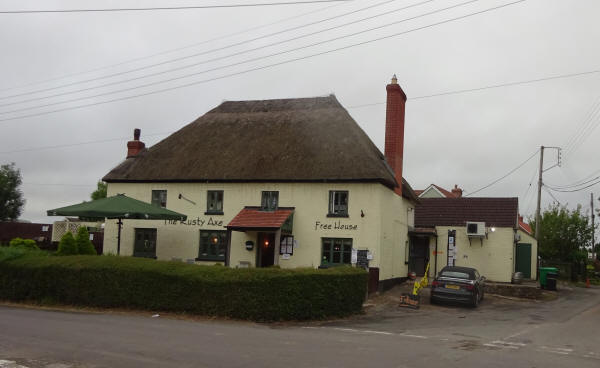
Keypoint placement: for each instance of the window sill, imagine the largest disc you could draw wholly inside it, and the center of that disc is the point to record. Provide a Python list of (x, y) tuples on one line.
[(216, 213), (209, 260), (333, 265), (337, 215)]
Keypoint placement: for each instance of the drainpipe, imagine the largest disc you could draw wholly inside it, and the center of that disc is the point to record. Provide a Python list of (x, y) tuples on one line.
[(436, 255)]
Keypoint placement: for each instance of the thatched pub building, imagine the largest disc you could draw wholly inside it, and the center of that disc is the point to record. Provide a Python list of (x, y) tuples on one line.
[(289, 182)]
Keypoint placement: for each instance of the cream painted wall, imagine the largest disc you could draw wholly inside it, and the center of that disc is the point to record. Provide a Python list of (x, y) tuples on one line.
[(492, 257), (397, 215), (383, 229)]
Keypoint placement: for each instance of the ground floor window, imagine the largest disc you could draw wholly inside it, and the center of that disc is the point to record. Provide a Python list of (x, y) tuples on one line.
[(213, 245), (145, 243), (336, 251)]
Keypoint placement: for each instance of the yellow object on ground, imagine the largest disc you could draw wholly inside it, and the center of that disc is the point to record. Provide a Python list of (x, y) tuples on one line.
[(421, 284)]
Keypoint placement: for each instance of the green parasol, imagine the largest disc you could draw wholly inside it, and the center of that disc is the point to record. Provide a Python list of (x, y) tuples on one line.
[(118, 207)]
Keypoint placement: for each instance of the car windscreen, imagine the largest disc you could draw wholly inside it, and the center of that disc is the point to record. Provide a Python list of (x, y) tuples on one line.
[(456, 275)]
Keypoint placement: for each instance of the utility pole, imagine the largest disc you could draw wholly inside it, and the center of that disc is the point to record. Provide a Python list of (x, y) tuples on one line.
[(539, 199), (538, 224), (593, 229)]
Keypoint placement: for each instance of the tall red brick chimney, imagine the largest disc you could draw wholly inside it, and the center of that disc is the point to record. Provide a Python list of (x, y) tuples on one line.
[(135, 146), (394, 129)]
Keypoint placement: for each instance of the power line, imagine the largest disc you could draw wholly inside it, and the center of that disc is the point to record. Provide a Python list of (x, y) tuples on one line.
[(586, 132), (60, 184), (30, 149), (347, 107), (169, 51), (504, 176), (587, 117), (268, 66), (551, 195), (577, 183), (492, 86), (209, 60), (104, 10), (530, 183), (575, 190)]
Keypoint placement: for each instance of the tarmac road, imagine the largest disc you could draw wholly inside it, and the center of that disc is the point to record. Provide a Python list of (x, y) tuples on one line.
[(500, 333)]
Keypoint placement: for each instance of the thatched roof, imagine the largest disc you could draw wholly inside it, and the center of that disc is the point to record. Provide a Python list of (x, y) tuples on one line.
[(287, 140)]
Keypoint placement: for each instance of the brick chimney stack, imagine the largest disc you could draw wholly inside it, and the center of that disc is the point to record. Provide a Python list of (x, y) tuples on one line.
[(394, 129), (135, 146), (457, 191)]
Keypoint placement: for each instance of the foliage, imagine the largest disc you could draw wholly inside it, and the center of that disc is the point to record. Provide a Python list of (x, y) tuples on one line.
[(564, 234), (100, 191), (11, 197), (67, 245), (9, 253), (25, 243), (84, 245), (127, 282)]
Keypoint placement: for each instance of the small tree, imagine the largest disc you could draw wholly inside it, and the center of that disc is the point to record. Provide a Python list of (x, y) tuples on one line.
[(67, 245), (100, 192), (11, 197), (84, 245)]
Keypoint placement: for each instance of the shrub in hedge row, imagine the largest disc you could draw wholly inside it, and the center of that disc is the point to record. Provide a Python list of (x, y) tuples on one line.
[(67, 245), (127, 282), (84, 245), (25, 243)]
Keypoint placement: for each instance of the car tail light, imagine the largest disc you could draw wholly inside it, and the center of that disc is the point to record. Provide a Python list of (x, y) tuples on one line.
[(436, 284), (469, 286)]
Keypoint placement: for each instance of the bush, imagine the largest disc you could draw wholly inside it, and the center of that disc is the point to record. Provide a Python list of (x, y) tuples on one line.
[(67, 245), (84, 245), (24, 243), (127, 282), (14, 252)]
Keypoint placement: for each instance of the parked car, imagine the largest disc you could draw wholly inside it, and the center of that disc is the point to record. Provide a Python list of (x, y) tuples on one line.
[(458, 284)]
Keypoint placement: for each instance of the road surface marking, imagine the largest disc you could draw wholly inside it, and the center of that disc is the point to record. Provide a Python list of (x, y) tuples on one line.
[(378, 332), (505, 344), (10, 364), (508, 343), (366, 331), (415, 336), (501, 346), (560, 351), (521, 332)]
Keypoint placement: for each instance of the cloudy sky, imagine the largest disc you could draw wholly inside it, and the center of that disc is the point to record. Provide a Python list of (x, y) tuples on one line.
[(73, 86)]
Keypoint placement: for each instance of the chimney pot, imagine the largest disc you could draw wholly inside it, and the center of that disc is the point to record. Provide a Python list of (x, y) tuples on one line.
[(457, 191), (135, 146)]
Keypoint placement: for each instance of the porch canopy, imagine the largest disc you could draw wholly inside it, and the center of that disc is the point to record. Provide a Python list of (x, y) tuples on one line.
[(118, 207), (256, 219), (423, 231)]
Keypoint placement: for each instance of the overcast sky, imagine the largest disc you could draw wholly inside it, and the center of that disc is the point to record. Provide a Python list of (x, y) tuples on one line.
[(469, 139)]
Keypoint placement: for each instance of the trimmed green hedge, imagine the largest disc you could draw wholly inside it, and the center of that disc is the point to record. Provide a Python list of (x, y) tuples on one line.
[(127, 282)]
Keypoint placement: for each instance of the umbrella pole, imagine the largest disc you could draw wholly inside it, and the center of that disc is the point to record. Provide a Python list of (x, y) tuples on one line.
[(119, 224)]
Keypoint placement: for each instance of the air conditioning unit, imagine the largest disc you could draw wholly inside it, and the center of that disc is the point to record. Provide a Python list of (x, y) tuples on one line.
[(476, 229)]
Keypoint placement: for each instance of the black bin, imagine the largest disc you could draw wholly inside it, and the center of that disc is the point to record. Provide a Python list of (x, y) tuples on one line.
[(551, 281)]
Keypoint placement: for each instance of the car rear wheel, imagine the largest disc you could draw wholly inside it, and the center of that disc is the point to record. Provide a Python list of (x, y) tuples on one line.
[(475, 301)]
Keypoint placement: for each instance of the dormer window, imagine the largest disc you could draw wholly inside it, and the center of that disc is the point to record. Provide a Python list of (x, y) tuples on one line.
[(270, 201), (338, 203)]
